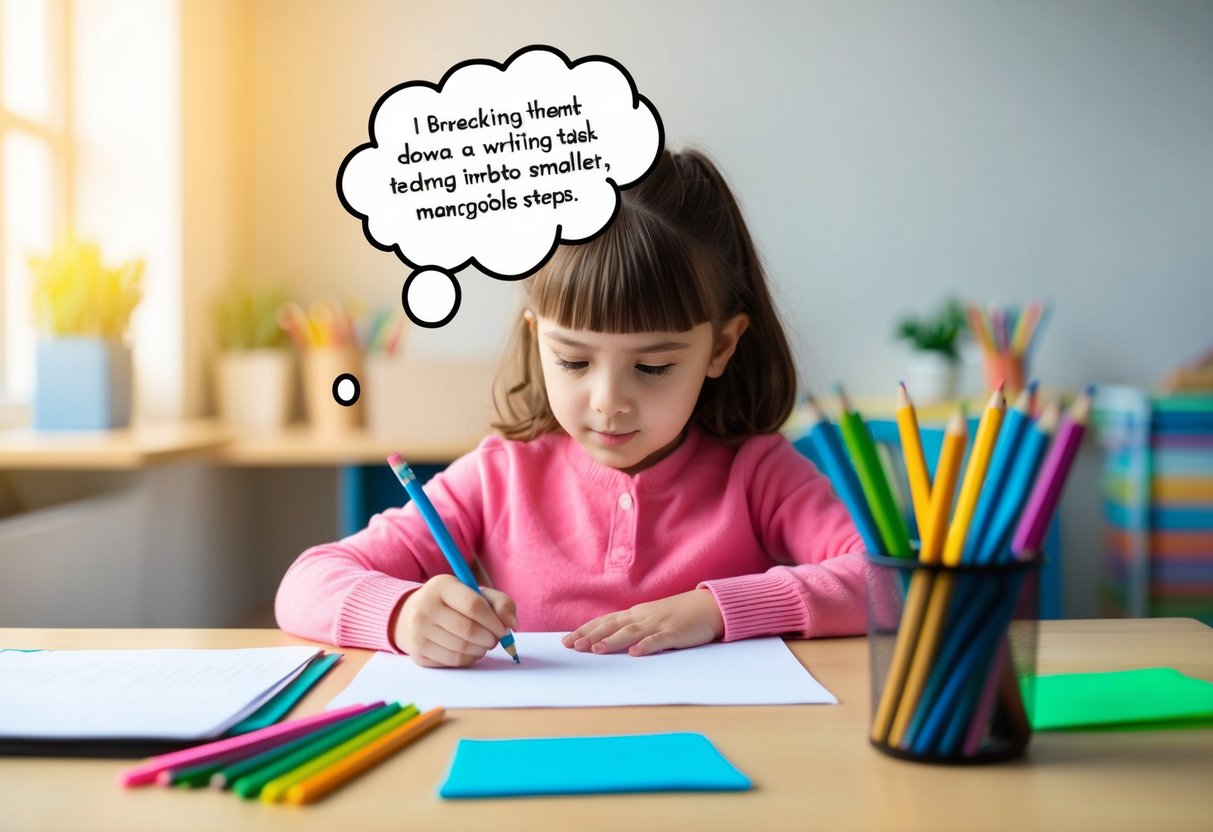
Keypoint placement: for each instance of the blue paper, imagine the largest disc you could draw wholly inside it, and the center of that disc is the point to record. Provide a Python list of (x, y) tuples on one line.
[(589, 765)]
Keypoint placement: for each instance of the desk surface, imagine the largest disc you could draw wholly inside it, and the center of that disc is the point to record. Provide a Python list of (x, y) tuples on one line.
[(811, 765)]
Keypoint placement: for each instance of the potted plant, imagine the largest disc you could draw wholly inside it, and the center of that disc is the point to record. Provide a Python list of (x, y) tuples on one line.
[(81, 310), (253, 373), (934, 358)]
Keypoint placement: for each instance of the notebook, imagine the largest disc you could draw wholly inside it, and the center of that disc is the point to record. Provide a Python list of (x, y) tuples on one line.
[(134, 703)]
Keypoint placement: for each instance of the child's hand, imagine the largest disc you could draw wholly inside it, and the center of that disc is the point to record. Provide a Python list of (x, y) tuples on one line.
[(685, 620), (446, 624)]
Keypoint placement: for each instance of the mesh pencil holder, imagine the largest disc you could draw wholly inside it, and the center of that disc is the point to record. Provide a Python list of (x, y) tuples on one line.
[(953, 656)]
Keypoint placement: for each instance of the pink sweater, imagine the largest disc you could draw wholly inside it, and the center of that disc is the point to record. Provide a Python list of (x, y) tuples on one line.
[(570, 539)]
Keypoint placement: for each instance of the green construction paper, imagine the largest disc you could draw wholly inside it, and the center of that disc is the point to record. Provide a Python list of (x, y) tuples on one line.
[(589, 765), (1159, 697)]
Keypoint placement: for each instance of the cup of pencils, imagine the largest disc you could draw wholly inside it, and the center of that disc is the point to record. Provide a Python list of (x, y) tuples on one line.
[(327, 337), (952, 613), (1007, 336)]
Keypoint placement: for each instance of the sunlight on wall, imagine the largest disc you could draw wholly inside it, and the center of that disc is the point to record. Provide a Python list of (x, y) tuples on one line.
[(127, 104)]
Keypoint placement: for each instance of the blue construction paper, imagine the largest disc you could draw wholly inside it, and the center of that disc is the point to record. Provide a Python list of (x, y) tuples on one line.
[(589, 765)]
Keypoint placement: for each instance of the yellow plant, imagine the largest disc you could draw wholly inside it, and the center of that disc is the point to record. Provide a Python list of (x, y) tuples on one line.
[(75, 294)]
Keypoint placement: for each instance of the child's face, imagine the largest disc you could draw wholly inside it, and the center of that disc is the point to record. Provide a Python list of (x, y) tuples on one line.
[(627, 398)]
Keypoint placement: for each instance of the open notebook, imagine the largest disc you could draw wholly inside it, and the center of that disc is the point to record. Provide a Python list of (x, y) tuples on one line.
[(139, 702)]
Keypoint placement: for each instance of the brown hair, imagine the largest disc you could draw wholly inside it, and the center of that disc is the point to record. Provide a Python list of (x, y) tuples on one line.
[(677, 255)]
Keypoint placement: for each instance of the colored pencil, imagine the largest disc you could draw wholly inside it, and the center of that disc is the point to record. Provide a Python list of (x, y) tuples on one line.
[(1030, 533), (362, 760), (889, 520), (1032, 449), (828, 442), (227, 774), (275, 790), (253, 742), (974, 477), (1016, 422), (251, 784), (903, 653), (915, 459), (924, 654), (947, 469), (438, 529)]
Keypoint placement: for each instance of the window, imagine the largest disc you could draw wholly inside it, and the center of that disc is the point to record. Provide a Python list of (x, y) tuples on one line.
[(34, 168)]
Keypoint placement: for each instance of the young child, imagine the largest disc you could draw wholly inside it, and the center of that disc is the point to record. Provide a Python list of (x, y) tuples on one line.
[(639, 495)]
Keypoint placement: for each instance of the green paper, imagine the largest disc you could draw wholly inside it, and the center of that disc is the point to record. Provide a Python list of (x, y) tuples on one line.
[(1149, 697)]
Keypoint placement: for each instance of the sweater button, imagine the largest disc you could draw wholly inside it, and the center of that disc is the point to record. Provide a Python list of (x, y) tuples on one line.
[(625, 501)]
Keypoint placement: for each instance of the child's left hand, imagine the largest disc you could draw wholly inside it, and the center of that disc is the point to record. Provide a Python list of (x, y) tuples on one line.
[(686, 620)]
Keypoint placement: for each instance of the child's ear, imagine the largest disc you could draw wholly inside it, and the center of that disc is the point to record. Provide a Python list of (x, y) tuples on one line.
[(529, 317), (726, 343)]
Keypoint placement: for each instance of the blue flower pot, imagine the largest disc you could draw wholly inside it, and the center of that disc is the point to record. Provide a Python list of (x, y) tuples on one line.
[(82, 384)]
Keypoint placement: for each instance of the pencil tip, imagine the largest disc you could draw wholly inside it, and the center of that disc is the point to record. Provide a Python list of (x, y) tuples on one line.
[(1090, 390), (1033, 385), (517, 660)]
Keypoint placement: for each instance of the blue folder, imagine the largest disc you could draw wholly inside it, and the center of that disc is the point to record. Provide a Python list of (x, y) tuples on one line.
[(589, 765)]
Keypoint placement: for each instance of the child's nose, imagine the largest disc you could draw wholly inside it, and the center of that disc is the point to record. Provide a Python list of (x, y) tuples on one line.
[(609, 396)]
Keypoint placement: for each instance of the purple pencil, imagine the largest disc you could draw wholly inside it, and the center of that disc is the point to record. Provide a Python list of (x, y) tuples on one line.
[(1046, 491)]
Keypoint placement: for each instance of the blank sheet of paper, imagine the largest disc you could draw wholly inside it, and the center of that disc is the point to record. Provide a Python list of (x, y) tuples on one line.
[(186, 694), (760, 671)]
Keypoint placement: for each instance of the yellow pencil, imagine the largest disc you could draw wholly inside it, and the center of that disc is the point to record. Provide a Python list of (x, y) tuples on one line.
[(955, 437), (276, 789), (934, 595), (344, 770), (916, 461), (903, 652), (975, 477)]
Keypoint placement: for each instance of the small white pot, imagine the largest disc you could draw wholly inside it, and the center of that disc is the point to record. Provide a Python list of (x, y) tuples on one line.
[(930, 377), (254, 389)]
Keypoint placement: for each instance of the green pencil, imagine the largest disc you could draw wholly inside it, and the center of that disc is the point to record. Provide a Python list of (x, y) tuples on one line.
[(872, 478), (250, 785), (223, 776), (275, 790)]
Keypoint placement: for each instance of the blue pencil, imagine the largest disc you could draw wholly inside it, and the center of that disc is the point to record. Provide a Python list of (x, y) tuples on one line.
[(842, 476), (1019, 485), (437, 528), (1017, 420)]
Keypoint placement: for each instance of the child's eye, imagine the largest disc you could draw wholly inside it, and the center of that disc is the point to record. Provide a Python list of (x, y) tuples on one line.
[(571, 366), (650, 370)]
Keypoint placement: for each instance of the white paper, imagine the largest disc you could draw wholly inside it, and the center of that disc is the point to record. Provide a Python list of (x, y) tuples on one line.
[(139, 694), (760, 671)]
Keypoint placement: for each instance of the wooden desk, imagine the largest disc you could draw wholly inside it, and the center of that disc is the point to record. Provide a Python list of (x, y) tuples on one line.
[(811, 765)]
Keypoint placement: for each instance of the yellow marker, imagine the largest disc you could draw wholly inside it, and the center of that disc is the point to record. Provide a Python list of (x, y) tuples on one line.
[(916, 462), (974, 478), (955, 437)]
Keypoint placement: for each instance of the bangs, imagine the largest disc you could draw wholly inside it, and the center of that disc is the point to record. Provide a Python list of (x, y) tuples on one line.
[(637, 276)]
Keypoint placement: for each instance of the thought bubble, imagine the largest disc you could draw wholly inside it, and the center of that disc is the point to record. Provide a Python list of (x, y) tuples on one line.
[(496, 165)]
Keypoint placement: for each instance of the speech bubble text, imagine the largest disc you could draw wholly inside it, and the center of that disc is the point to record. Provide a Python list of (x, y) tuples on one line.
[(495, 166)]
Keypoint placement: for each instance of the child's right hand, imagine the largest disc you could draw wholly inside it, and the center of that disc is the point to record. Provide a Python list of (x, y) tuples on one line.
[(446, 624)]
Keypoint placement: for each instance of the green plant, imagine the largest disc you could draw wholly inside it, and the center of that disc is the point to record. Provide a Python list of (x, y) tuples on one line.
[(246, 316), (74, 294), (938, 332)]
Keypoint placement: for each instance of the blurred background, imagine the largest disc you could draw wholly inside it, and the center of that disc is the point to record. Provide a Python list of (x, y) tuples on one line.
[(888, 156)]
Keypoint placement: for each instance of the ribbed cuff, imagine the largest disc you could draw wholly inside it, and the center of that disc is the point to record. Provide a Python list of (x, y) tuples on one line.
[(758, 605), (364, 618)]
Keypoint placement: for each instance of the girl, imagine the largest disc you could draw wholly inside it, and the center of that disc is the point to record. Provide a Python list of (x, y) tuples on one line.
[(639, 495)]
